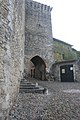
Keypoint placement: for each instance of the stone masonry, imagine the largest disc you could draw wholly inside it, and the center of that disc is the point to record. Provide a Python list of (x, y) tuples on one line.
[(11, 52), (38, 35)]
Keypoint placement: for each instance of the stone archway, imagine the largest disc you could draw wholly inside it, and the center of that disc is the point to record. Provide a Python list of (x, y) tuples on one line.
[(38, 68)]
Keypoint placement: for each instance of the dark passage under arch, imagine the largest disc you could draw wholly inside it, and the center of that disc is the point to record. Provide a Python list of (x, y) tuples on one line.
[(39, 71)]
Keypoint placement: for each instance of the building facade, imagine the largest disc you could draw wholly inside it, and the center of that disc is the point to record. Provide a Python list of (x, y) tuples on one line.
[(66, 71)]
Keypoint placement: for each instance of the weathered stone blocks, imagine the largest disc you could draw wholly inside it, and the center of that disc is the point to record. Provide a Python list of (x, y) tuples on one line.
[(38, 34), (11, 43)]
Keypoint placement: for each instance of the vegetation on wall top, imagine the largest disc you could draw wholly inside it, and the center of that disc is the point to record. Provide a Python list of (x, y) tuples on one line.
[(63, 51)]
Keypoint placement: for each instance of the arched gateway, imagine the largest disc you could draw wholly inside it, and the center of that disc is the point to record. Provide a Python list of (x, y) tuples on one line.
[(38, 68)]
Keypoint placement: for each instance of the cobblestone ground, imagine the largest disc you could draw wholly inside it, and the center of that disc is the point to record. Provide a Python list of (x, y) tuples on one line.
[(61, 103)]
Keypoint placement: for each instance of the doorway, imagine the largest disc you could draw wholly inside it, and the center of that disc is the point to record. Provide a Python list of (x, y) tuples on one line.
[(66, 73)]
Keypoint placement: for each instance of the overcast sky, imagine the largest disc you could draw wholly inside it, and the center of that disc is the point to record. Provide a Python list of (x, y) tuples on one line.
[(65, 20)]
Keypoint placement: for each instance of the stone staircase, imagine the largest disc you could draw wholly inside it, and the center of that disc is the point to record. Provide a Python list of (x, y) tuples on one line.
[(28, 87)]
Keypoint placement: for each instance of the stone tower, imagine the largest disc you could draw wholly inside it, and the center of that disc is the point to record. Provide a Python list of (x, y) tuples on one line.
[(38, 39)]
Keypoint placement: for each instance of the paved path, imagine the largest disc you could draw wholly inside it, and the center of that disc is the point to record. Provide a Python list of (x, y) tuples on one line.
[(61, 103)]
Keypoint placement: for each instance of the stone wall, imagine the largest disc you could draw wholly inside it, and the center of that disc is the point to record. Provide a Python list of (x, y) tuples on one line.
[(11, 52), (77, 72), (6, 10), (38, 34)]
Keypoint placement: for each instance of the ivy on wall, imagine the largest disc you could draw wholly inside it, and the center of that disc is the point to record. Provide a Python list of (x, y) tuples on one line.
[(63, 52)]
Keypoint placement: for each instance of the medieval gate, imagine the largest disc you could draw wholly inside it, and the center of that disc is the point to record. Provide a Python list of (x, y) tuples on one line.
[(38, 40), (38, 68), (66, 73)]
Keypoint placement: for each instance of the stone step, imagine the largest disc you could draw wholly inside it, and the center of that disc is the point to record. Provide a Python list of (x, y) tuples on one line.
[(40, 90), (28, 87), (26, 82)]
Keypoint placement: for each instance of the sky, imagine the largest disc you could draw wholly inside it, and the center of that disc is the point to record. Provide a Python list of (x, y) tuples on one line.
[(65, 20)]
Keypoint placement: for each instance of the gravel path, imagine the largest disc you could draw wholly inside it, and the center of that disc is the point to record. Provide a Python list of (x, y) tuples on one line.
[(62, 103)]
